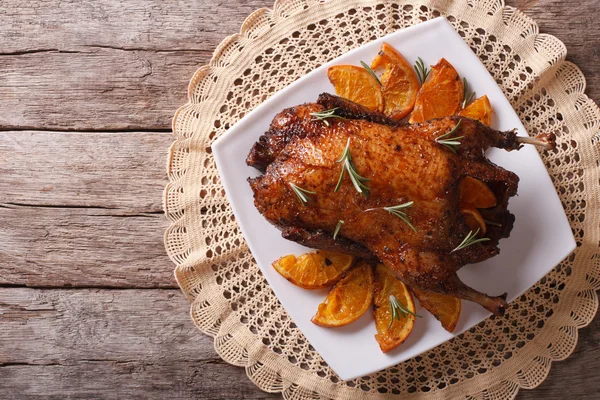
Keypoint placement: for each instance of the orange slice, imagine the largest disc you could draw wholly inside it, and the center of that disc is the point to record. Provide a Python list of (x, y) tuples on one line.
[(480, 109), (349, 298), (474, 219), (356, 84), (386, 284), (443, 307), (314, 270), (399, 82), (476, 194), (440, 96)]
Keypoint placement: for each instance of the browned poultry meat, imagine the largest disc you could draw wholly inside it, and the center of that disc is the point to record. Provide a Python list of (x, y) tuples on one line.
[(301, 190)]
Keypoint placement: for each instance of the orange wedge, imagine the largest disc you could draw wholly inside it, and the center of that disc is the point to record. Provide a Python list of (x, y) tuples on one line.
[(349, 298), (356, 84), (443, 307), (476, 194), (480, 109), (474, 219), (399, 82), (391, 333), (314, 270), (440, 96)]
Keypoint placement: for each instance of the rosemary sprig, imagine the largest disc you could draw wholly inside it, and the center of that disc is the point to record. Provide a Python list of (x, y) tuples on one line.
[(421, 70), (370, 71), (337, 228), (397, 211), (348, 165), (470, 240), (450, 142), (398, 310), (302, 193), (324, 115), (492, 223), (467, 95)]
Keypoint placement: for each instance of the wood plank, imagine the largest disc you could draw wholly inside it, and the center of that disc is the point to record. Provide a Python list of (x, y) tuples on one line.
[(83, 209), (45, 326), (106, 65), (95, 88), (109, 345), (108, 170), (129, 380), (83, 247), (38, 25)]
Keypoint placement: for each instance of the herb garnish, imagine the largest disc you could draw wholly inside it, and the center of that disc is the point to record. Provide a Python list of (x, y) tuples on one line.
[(337, 228), (302, 193), (492, 223), (421, 70), (398, 310), (450, 142), (470, 240), (397, 211), (467, 95), (370, 71), (324, 115), (348, 165)]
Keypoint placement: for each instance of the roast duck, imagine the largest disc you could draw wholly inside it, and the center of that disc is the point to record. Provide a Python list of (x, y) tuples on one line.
[(358, 166)]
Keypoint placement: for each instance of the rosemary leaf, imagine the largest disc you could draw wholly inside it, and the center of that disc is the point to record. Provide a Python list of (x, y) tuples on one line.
[(467, 95), (397, 211), (398, 310), (337, 228), (325, 114), (355, 178), (302, 193), (370, 71), (451, 143), (492, 223), (421, 70), (470, 240)]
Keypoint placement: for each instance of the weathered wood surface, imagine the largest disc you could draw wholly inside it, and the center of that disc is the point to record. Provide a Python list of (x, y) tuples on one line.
[(106, 65), (118, 171), (87, 212), (82, 210), (113, 344)]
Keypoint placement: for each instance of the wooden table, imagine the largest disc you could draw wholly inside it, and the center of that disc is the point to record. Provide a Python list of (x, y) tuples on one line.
[(88, 303)]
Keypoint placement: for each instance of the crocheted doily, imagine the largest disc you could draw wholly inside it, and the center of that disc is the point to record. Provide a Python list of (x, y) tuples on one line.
[(232, 302)]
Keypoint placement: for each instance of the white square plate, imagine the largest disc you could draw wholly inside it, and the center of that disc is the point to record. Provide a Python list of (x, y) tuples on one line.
[(541, 237)]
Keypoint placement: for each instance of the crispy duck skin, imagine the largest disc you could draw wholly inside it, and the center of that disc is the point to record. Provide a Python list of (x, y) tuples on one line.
[(402, 163), (285, 126), (319, 239)]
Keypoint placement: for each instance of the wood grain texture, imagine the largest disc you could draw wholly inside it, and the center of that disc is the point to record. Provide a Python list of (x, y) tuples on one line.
[(121, 171), (86, 212), (106, 65), (83, 209), (116, 344), (83, 247), (39, 25), (94, 88)]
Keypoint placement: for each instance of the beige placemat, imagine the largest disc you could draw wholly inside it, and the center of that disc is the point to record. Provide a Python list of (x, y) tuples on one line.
[(230, 299)]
